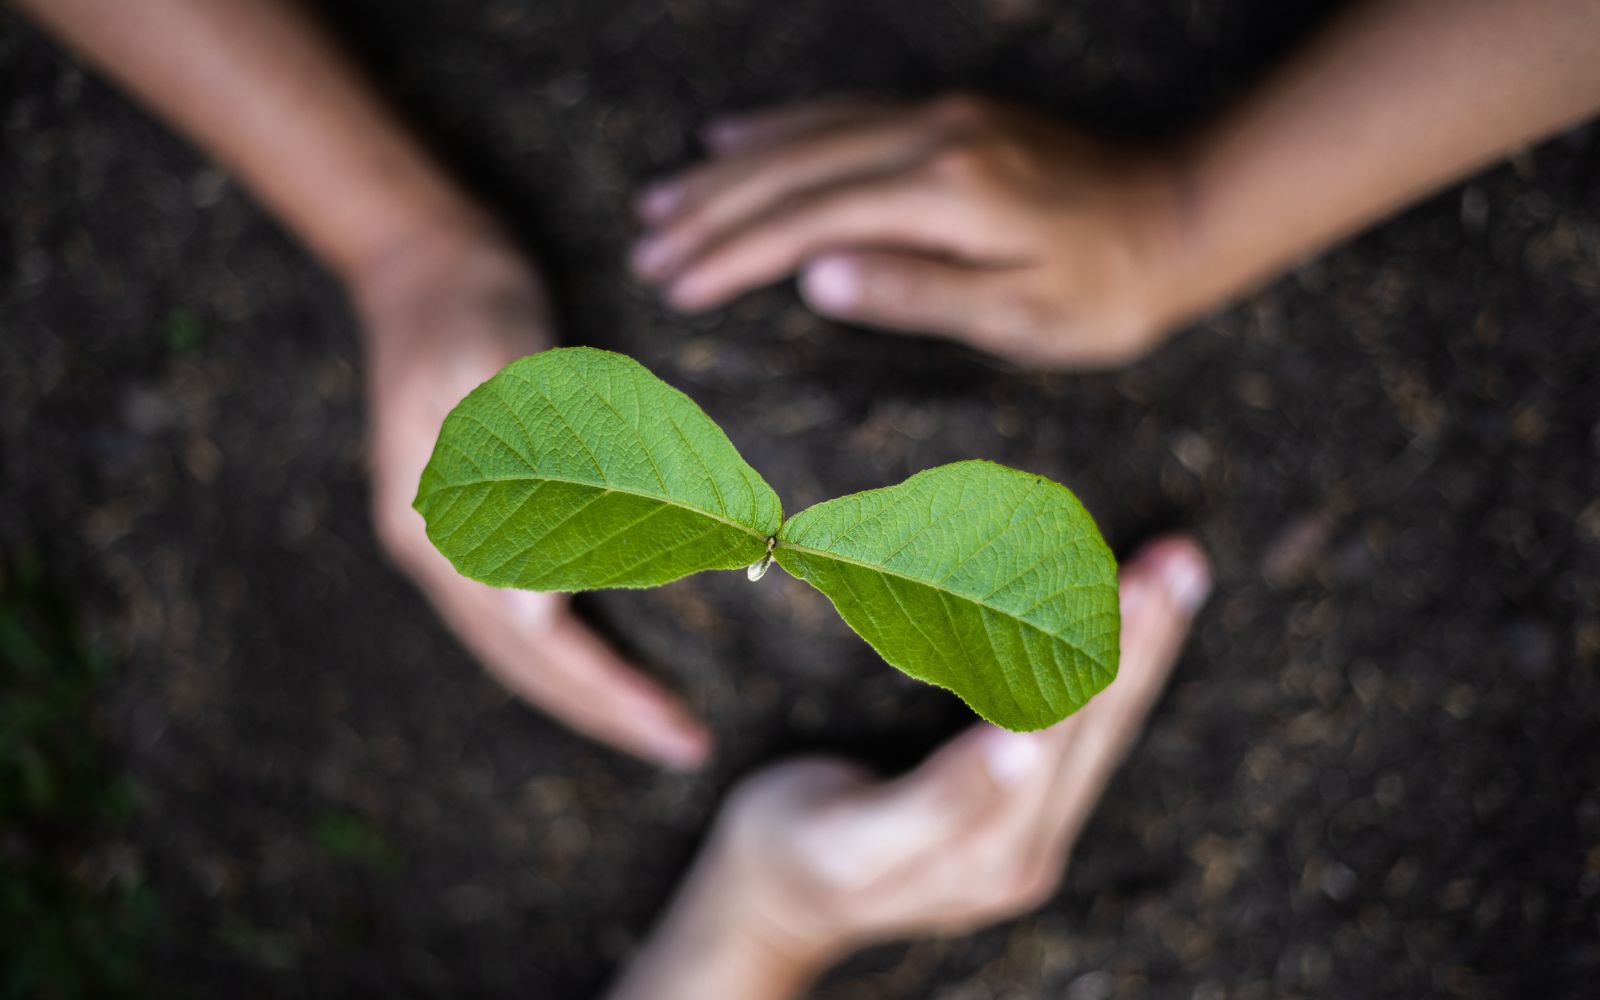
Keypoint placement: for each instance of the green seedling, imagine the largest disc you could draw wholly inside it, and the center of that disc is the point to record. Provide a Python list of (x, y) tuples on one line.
[(577, 469)]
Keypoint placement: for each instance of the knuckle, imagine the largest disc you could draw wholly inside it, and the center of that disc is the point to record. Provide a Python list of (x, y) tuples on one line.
[(988, 166), (1036, 318), (1129, 339), (957, 922), (1022, 323), (1017, 892), (997, 893), (996, 903), (1102, 343), (884, 288), (1017, 879), (964, 164), (958, 111), (1038, 886), (948, 805)]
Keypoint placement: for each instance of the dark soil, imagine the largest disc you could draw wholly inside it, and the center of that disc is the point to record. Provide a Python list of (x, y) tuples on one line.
[(1378, 774)]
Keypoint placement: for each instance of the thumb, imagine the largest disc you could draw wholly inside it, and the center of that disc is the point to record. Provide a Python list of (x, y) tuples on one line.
[(901, 291), (865, 836)]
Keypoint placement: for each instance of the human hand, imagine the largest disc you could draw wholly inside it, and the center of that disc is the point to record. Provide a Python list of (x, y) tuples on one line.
[(441, 317), (814, 858), (959, 216)]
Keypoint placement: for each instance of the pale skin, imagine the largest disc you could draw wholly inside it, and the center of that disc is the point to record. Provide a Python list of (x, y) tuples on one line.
[(816, 858), (994, 226)]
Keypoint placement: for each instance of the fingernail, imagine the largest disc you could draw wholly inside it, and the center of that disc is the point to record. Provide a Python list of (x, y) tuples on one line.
[(831, 283), (659, 200), (682, 751), (1187, 578), (650, 256), (1009, 756), (686, 295)]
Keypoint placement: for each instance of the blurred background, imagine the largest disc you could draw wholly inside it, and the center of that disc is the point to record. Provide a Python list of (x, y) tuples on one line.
[(237, 751)]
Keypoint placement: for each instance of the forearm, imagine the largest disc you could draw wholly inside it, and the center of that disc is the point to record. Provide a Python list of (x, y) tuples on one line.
[(705, 947), (1395, 99), (263, 89)]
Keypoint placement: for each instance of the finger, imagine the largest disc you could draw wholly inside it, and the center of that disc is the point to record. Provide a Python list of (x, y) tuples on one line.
[(706, 204), (1162, 589), (893, 826), (742, 133), (912, 293), (905, 212), (610, 700), (986, 872), (750, 133), (547, 657)]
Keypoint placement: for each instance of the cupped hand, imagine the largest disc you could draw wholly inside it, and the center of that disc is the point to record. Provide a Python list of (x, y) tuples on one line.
[(441, 316), (823, 859), (959, 216)]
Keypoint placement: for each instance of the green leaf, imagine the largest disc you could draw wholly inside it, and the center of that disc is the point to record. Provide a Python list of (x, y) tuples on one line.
[(577, 469), (988, 581)]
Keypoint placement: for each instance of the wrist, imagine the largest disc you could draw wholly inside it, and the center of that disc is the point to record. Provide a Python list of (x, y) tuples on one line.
[(752, 923), (1177, 275), (414, 249), (719, 939), (1205, 263), (457, 275)]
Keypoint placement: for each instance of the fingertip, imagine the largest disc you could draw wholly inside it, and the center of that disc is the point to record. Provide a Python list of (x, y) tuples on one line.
[(831, 283), (613, 701), (649, 259), (1010, 757), (658, 201), (1179, 567), (685, 749), (691, 294), (1187, 576), (665, 729)]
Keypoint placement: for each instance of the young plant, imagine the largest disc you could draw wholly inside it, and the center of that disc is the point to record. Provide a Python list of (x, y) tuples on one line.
[(577, 469)]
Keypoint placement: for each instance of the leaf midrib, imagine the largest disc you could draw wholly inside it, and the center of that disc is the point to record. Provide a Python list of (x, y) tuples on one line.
[(752, 532), (875, 568)]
